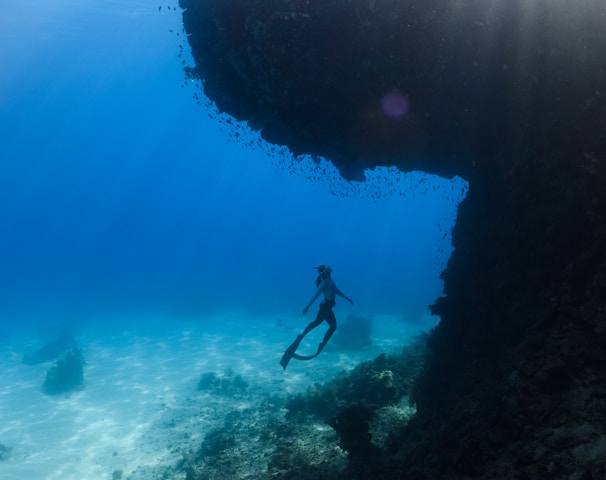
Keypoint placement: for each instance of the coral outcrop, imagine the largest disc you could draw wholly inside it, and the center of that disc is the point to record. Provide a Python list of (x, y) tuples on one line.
[(224, 384), (346, 421)]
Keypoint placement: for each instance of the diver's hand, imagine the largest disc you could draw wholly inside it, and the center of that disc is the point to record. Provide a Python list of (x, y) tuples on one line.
[(305, 310)]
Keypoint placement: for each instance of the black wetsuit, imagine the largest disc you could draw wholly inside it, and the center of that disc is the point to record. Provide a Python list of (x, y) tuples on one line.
[(324, 313)]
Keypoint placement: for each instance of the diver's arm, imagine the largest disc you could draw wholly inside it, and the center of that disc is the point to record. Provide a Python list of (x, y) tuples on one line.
[(341, 294), (313, 299)]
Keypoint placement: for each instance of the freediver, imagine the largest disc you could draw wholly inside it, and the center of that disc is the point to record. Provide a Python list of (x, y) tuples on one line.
[(327, 287)]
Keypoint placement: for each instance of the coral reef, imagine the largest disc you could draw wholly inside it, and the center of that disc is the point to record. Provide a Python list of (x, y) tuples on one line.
[(66, 375), (352, 426), (377, 383), (215, 443), (226, 384), (347, 421)]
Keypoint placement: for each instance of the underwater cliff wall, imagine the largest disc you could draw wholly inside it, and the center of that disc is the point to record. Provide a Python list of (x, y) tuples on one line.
[(514, 385), (511, 96)]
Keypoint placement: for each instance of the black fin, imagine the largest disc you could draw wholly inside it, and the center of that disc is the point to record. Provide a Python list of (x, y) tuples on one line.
[(290, 352)]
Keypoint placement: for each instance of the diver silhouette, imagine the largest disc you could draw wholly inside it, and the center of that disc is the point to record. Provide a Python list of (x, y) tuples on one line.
[(327, 287)]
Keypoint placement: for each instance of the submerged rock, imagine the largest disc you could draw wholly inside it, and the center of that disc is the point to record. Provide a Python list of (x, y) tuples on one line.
[(5, 452), (66, 375), (354, 333), (53, 349)]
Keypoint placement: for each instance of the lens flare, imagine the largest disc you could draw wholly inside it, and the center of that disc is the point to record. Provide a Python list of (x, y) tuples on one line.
[(395, 104)]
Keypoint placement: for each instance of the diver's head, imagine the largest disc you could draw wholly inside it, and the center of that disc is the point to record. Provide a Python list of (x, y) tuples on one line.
[(324, 271)]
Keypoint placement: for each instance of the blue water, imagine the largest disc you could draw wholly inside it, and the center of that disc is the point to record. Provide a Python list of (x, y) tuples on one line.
[(120, 192), (172, 243)]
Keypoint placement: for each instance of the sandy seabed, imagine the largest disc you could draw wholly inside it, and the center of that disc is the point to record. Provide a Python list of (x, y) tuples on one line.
[(140, 411)]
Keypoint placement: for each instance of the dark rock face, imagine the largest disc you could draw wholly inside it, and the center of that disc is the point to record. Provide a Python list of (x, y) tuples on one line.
[(512, 96), (431, 85), (351, 424), (515, 383)]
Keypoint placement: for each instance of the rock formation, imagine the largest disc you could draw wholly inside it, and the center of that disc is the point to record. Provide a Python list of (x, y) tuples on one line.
[(510, 95)]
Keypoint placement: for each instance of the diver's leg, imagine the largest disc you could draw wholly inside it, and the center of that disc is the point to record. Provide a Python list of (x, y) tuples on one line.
[(318, 321), (320, 317), (324, 313), (312, 325), (290, 351), (332, 327)]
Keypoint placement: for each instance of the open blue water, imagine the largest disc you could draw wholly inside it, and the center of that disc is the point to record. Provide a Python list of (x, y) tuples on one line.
[(117, 191), (123, 198)]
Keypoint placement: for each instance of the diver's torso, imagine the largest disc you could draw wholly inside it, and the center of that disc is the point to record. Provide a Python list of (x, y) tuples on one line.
[(329, 289)]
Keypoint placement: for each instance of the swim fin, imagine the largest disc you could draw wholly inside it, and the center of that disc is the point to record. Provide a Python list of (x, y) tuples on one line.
[(309, 357), (290, 352), (305, 357)]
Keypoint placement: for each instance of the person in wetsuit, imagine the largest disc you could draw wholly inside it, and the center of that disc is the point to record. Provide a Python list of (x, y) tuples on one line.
[(327, 287)]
